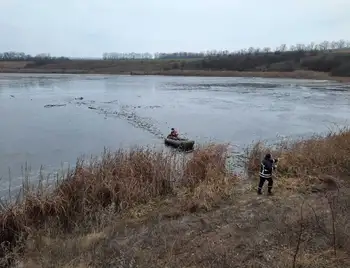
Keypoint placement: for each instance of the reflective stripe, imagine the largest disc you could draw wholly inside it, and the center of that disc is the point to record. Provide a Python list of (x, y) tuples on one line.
[(266, 176)]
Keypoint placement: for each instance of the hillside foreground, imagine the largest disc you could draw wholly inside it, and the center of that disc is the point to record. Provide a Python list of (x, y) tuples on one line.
[(143, 208)]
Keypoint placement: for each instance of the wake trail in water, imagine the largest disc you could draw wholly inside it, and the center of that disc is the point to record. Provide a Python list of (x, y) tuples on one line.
[(124, 112)]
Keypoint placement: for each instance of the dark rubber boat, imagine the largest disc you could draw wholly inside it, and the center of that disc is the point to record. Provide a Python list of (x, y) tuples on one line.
[(183, 144)]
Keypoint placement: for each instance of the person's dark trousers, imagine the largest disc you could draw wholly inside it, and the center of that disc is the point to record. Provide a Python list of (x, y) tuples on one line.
[(261, 184)]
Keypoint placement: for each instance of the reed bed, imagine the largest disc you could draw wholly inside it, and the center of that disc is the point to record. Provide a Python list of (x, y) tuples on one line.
[(304, 162), (142, 208), (120, 180)]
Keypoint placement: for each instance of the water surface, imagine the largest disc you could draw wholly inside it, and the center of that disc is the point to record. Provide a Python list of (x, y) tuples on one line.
[(122, 111)]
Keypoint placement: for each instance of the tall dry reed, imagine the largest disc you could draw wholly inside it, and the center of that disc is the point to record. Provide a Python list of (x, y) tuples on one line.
[(313, 158), (121, 179)]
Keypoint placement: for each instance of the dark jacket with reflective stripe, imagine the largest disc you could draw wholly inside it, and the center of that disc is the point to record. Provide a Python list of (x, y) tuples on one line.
[(266, 167)]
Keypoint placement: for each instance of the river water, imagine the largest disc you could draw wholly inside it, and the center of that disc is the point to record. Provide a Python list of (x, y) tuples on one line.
[(123, 111)]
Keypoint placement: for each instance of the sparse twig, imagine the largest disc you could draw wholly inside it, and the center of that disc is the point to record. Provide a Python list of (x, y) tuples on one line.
[(318, 220), (301, 230), (332, 200)]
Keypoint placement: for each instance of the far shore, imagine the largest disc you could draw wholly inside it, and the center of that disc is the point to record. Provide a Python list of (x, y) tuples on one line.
[(300, 74)]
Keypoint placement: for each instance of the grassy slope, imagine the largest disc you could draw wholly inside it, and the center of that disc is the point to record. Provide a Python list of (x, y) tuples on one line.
[(208, 218)]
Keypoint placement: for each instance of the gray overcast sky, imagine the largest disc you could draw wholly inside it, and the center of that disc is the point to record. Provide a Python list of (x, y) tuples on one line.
[(91, 27)]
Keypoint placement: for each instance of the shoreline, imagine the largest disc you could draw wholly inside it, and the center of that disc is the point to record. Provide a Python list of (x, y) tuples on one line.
[(91, 217), (188, 73)]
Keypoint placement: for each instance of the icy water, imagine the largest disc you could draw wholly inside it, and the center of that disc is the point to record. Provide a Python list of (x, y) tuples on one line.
[(50, 120)]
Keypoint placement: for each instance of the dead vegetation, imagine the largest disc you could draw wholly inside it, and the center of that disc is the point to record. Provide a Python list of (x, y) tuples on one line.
[(117, 183), (13, 64), (149, 209), (314, 173), (307, 163)]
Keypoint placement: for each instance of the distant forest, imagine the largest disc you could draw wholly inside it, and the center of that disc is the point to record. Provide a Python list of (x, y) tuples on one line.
[(332, 57)]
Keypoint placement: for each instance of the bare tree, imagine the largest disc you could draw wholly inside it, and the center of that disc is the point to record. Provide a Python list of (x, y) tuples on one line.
[(283, 47), (250, 50), (341, 44), (311, 46), (267, 50), (324, 45), (300, 47), (334, 45)]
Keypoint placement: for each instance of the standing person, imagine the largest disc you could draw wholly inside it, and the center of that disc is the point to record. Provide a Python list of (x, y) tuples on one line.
[(266, 167)]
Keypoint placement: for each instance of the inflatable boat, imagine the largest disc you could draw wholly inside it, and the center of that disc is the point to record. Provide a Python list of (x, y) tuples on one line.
[(183, 144)]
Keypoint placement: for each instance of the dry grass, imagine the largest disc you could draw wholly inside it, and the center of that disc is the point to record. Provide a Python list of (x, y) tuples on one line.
[(116, 184), (188, 212), (13, 64), (310, 215), (246, 233), (304, 163)]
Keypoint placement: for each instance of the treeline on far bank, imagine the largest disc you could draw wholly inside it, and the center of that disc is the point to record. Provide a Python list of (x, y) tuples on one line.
[(332, 62), (330, 57)]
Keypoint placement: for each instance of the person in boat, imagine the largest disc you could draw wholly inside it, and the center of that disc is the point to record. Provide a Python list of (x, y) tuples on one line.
[(173, 134), (266, 167)]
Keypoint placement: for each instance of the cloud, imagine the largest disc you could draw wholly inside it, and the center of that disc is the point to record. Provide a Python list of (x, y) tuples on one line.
[(89, 28)]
